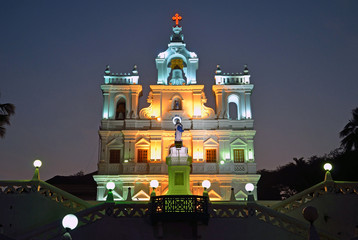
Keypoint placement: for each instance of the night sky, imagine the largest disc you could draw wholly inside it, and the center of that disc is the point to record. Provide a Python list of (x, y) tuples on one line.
[(302, 56)]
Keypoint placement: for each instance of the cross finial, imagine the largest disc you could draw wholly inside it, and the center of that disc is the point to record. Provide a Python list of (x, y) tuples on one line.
[(177, 18)]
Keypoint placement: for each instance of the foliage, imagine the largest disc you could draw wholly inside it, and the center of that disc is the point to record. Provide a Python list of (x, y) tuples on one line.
[(79, 173), (6, 110), (349, 134), (301, 174)]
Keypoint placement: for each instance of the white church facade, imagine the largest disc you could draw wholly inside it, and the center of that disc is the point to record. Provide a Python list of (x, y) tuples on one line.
[(135, 142)]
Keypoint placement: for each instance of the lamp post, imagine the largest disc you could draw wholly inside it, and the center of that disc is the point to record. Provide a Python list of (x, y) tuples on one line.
[(37, 165), (249, 187), (154, 184), (311, 214), (110, 186), (328, 168), (206, 184), (69, 222)]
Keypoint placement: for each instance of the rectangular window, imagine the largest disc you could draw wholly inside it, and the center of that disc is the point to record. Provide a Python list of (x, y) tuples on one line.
[(211, 155), (239, 155), (114, 156), (142, 155)]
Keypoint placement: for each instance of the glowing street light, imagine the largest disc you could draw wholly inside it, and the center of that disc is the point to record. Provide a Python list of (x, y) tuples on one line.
[(154, 184), (328, 168), (249, 187), (110, 186), (206, 184), (37, 164), (69, 222)]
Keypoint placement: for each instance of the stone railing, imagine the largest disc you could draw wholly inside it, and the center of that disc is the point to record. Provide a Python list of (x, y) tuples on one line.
[(203, 167), (334, 187), (46, 190), (272, 217)]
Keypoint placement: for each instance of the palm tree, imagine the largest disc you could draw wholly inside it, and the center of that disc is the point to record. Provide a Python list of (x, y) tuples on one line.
[(6, 110), (349, 134)]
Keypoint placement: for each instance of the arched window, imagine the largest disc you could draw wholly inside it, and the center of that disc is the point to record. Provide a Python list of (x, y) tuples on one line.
[(121, 109), (233, 107)]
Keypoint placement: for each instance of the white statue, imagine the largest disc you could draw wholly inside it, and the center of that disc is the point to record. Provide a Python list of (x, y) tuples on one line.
[(178, 130)]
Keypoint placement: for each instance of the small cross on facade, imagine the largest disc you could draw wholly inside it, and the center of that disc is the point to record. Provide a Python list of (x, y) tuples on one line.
[(177, 18)]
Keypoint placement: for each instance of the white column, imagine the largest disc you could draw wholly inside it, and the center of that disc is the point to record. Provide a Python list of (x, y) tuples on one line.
[(242, 113), (111, 107), (248, 105), (105, 106)]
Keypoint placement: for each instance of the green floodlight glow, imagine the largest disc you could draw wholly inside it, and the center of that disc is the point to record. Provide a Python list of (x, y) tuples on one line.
[(327, 167), (70, 221), (249, 187), (110, 185), (37, 163)]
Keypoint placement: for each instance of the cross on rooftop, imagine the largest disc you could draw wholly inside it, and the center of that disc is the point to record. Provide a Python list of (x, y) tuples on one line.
[(177, 18)]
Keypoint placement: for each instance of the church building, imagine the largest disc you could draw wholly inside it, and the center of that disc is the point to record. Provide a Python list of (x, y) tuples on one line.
[(135, 142)]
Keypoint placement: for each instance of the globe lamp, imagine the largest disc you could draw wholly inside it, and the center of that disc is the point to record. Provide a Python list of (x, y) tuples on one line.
[(249, 187), (206, 184), (327, 167), (110, 185), (70, 221), (37, 163)]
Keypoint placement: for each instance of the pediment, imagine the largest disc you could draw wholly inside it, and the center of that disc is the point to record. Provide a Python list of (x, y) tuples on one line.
[(240, 195), (116, 196), (142, 143), (211, 142), (214, 196), (238, 142), (141, 196), (115, 141)]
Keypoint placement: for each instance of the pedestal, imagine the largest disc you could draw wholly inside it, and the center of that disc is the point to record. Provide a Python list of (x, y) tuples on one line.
[(179, 163)]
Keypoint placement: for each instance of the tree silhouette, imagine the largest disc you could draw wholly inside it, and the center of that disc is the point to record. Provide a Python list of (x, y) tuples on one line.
[(6, 110), (349, 134)]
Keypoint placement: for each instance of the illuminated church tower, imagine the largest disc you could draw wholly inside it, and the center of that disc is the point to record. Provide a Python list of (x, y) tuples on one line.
[(135, 143)]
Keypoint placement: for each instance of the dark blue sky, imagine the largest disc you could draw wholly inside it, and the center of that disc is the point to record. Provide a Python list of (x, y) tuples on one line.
[(302, 56)]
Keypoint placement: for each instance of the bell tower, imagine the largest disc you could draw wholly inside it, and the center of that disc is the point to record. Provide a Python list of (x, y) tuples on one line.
[(236, 89), (177, 51)]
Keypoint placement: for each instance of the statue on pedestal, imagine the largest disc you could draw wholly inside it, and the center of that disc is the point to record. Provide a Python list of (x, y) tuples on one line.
[(178, 163)]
